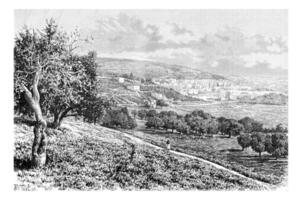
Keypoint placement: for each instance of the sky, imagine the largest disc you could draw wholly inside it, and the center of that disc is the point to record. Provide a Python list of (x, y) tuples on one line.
[(219, 40)]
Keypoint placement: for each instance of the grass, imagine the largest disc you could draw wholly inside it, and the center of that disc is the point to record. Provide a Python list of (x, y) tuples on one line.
[(221, 150), (87, 157)]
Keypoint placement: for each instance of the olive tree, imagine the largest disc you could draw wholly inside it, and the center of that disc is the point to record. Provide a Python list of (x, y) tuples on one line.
[(65, 78), (244, 140), (49, 79), (258, 143)]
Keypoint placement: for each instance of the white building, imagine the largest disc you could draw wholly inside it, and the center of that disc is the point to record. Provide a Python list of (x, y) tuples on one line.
[(134, 87), (121, 80)]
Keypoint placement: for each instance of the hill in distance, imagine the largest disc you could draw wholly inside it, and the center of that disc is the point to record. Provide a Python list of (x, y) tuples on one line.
[(151, 69)]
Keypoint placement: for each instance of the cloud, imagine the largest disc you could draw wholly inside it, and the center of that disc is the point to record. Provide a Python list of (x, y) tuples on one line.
[(273, 60), (124, 33), (129, 37), (180, 55), (177, 30)]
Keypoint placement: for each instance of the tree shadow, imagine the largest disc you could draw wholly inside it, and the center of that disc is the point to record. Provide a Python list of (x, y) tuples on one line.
[(231, 150), (23, 120), (22, 163)]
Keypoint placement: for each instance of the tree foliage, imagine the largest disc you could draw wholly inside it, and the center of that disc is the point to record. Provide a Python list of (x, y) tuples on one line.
[(65, 78), (119, 118), (244, 140), (258, 143), (250, 125)]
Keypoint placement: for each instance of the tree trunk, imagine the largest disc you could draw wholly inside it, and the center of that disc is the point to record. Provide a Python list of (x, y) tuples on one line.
[(40, 138), (56, 121), (58, 117), (260, 154)]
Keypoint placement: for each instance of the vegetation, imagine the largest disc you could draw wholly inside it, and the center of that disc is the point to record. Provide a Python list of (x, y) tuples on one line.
[(119, 118), (250, 125), (53, 82), (271, 99), (244, 140), (161, 102), (91, 157), (258, 143), (221, 150)]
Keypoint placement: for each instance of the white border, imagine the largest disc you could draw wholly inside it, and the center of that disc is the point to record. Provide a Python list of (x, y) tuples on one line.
[(295, 100)]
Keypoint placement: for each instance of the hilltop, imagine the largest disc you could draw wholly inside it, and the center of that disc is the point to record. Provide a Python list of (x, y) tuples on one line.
[(151, 69)]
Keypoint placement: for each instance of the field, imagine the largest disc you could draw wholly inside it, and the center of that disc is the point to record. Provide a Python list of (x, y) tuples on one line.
[(269, 115), (90, 157), (220, 150)]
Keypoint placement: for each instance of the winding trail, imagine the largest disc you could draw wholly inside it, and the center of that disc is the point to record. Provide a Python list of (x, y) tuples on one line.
[(83, 131), (140, 141)]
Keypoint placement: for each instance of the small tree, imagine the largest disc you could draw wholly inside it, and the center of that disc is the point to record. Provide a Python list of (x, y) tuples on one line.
[(244, 140), (281, 128), (229, 126), (151, 113), (279, 144), (211, 126), (182, 127), (94, 108), (119, 118), (154, 122), (258, 143)]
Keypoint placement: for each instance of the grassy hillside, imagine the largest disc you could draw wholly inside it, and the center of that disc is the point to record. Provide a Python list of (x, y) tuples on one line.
[(221, 150), (149, 69), (88, 157)]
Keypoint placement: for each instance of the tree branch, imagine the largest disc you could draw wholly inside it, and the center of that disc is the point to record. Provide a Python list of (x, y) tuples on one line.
[(28, 94), (36, 94)]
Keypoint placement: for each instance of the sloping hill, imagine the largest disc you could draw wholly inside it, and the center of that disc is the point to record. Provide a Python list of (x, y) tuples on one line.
[(90, 157), (150, 69), (270, 99), (110, 87)]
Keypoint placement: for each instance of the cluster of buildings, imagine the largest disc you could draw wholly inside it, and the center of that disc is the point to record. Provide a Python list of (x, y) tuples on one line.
[(206, 89)]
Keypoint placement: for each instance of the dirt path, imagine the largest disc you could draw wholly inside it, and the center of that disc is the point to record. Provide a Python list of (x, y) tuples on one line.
[(82, 131), (140, 141)]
